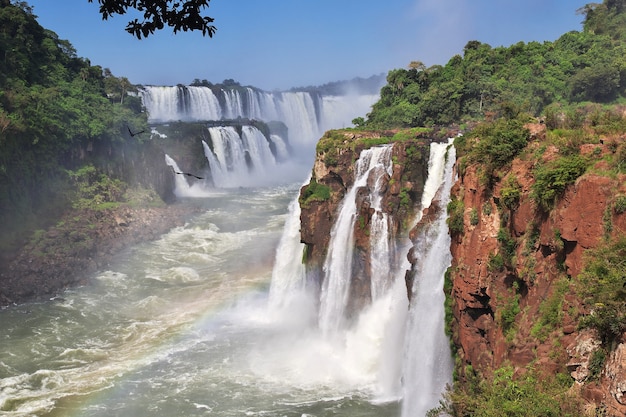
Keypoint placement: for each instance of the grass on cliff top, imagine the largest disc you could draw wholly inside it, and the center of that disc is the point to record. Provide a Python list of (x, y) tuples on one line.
[(353, 138), (334, 140), (314, 191)]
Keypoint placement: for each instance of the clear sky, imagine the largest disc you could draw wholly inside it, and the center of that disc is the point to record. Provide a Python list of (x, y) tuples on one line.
[(278, 44)]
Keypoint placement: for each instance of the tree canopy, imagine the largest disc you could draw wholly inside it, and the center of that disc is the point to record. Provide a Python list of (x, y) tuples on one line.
[(578, 67), (53, 106), (180, 15)]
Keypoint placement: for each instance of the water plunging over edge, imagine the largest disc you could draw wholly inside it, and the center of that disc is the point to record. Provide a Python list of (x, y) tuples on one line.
[(428, 361)]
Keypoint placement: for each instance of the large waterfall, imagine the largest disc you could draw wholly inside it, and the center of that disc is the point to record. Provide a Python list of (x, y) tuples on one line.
[(372, 344), (243, 156), (306, 115)]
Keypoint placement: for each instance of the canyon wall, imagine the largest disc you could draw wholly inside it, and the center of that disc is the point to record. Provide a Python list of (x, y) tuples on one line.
[(524, 311), (512, 298)]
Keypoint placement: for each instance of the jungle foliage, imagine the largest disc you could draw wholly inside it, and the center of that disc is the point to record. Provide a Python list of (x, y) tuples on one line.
[(589, 65), (532, 394), (54, 106)]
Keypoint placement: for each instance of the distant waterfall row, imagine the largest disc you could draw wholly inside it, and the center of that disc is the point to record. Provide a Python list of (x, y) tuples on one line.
[(235, 158), (306, 115)]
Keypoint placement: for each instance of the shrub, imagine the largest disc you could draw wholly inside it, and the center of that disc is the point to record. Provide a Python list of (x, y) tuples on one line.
[(596, 363), (531, 394), (314, 191), (456, 210), (619, 205), (508, 245), (474, 216), (95, 190), (551, 311), (552, 179), (498, 143), (510, 193), (601, 286), (496, 262)]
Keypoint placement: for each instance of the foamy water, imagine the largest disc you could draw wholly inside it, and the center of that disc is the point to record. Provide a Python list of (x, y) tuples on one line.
[(181, 326)]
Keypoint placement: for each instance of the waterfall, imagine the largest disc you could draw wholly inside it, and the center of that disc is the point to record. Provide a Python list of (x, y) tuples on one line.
[(306, 115), (181, 187), (428, 362), (288, 276), (237, 161), (338, 263), (219, 174), (258, 148)]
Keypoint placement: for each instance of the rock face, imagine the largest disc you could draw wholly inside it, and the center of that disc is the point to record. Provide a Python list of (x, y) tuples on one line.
[(498, 309), (81, 244), (402, 191)]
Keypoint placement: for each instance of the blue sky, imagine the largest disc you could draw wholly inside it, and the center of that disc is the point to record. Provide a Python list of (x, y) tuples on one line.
[(278, 44)]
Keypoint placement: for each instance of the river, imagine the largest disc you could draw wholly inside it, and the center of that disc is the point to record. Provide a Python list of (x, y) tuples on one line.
[(181, 326)]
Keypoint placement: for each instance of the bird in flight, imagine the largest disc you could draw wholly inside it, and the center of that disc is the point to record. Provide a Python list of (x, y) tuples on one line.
[(187, 174), (135, 133)]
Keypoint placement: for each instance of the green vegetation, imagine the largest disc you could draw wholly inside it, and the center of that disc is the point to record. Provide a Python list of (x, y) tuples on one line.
[(601, 285), (530, 395), (619, 204), (552, 178), (551, 311), (55, 107), (508, 245), (456, 211), (493, 145), (473, 216), (95, 190), (314, 191), (510, 193), (508, 311), (507, 81)]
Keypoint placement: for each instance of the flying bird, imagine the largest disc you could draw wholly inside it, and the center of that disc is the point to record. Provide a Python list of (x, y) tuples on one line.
[(135, 133), (187, 174)]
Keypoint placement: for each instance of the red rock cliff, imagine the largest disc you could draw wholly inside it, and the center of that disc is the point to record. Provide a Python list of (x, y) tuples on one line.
[(500, 307)]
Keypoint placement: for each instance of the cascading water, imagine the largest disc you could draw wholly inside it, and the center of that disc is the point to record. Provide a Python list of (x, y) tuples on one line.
[(428, 362), (306, 115), (338, 264), (185, 326), (288, 276), (237, 161), (181, 185)]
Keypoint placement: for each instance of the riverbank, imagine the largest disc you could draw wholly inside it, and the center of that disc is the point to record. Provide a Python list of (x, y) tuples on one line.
[(81, 243)]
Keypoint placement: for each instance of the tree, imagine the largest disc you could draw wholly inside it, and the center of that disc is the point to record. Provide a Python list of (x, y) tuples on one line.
[(179, 14)]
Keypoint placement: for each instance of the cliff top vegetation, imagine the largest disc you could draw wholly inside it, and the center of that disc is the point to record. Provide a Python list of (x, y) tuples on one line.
[(487, 82)]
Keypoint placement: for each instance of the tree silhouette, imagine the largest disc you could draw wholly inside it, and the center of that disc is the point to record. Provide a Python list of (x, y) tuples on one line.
[(178, 14)]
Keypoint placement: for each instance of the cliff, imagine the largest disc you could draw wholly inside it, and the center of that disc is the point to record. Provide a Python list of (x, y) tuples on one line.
[(514, 280), (333, 174), (525, 231)]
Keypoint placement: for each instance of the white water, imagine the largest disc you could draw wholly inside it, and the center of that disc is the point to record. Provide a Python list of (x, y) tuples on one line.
[(338, 264), (428, 364), (305, 120), (190, 325), (239, 161)]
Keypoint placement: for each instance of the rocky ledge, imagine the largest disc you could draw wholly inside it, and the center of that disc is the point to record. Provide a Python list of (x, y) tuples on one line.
[(83, 242)]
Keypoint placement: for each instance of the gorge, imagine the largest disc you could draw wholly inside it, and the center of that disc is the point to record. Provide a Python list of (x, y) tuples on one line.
[(250, 253), (191, 292), (349, 308)]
